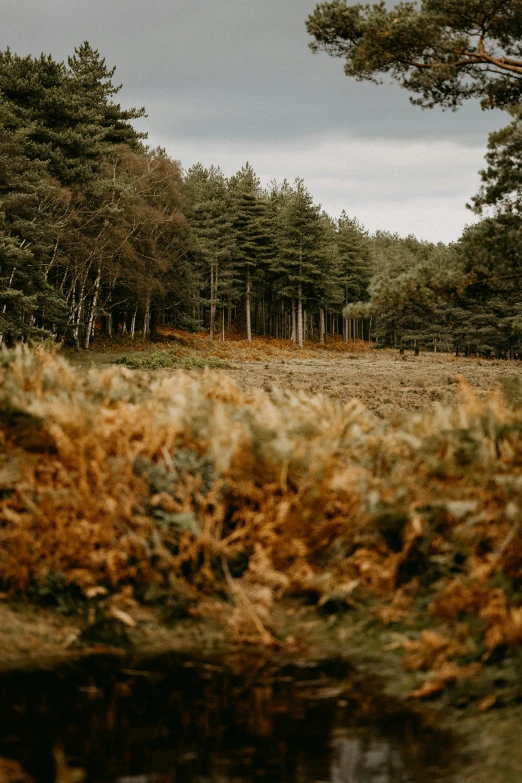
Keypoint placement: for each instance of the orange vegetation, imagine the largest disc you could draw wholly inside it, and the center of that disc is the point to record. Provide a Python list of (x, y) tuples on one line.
[(234, 348), (115, 481)]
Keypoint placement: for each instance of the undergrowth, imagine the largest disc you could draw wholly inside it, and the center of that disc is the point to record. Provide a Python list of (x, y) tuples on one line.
[(177, 343), (169, 358), (183, 490)]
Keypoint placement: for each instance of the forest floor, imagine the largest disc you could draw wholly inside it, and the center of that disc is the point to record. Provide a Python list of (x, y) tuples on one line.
[(386, 382)]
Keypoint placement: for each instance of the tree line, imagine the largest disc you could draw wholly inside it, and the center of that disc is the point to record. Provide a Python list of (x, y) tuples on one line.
[(445, 52), (100, 232)]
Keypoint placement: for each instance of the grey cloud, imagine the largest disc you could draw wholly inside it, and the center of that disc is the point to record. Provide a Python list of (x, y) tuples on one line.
[(232, 77), (240, 67)]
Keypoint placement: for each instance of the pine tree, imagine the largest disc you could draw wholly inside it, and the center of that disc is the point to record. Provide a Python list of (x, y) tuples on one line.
[(251, 233), (91, 82), (302, 244), (68, 111), (29, 200), (354, 252), (211, 237)]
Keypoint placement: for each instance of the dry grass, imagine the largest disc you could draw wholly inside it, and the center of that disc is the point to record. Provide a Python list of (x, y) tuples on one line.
[(383, 380), (234, 348), (113, 482)]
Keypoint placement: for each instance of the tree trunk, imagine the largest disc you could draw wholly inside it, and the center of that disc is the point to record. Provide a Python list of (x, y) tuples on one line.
[(321, 325), (213, 286), (92, 315), (4, 308), (300, 316), (248, 311), (146, 318), (293, 332), (133, 323)]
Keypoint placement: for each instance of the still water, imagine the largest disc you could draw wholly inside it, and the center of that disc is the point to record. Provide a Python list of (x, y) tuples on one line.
[(176, 721)]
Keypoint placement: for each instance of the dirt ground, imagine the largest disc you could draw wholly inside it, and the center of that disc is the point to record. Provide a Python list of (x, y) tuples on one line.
[(385, 381)]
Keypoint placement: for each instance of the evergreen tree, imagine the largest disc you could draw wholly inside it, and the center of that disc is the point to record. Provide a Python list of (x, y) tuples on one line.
[(29, 201), (444, 51), (252, 235), (354, 252), (68, 111), (211, 238), (302, 245)]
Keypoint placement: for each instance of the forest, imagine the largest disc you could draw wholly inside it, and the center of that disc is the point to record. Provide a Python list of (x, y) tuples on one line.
[(349, 505), (100, 234)]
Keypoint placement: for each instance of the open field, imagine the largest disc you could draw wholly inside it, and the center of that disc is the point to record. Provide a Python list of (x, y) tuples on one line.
[(382, 379)]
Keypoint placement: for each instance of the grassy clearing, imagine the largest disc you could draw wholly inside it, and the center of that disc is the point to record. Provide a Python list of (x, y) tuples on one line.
[(169, 358), (118, 489), (386, 382)]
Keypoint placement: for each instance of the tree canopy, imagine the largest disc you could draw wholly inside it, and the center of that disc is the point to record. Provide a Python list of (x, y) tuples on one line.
[(102, 236), (442, 51)]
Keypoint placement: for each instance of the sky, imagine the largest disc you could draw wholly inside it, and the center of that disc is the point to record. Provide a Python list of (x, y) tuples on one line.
[(230, 81)]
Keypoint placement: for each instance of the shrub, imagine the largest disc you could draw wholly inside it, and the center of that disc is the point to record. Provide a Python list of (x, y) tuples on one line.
[(113, 479)]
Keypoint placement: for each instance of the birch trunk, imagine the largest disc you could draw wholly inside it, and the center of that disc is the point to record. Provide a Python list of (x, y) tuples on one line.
[(92, 315), (133, 323), (146, 318)]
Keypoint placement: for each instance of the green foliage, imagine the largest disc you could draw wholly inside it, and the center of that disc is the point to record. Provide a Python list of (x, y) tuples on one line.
[(156, 360), (443, 51), (502, 179), (99, 233), (354, 249)]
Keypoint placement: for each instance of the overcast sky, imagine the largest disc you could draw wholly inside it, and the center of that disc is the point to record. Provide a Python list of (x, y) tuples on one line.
[(226, 81)]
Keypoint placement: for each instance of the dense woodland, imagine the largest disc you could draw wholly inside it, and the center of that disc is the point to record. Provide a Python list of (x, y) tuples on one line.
[(99, 233)]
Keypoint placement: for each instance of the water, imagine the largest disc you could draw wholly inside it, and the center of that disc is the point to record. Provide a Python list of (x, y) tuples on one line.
[(175, 721)]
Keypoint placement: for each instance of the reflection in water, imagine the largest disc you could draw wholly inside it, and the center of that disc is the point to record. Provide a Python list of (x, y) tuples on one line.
[(358, 761), (181, 722)]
